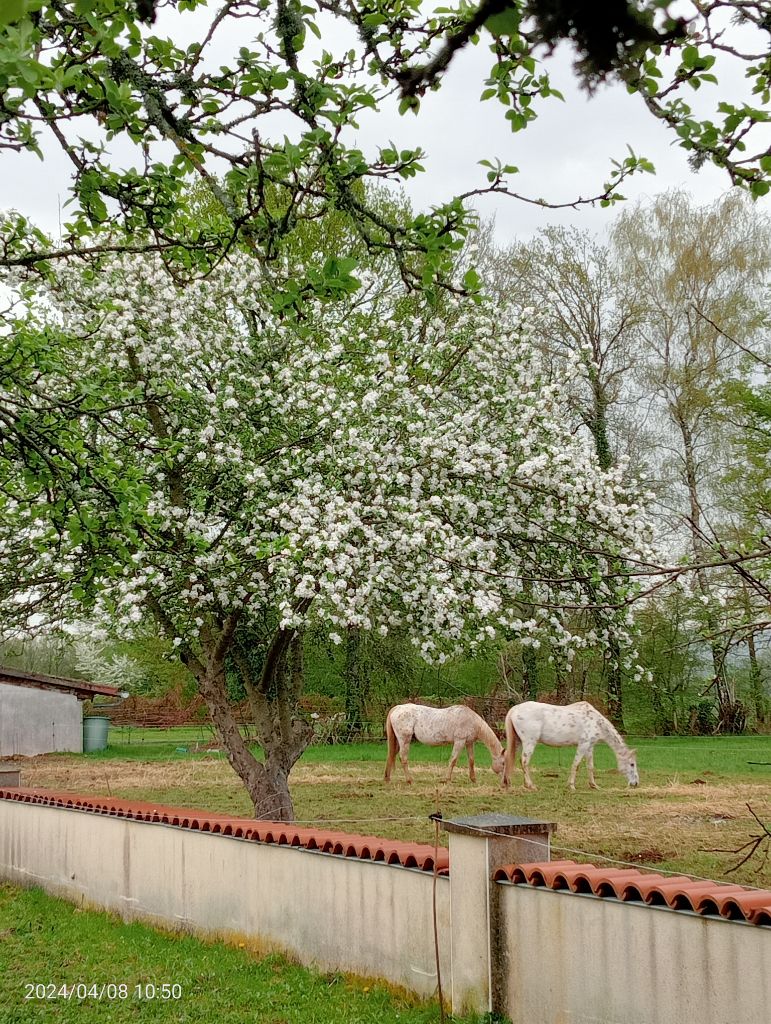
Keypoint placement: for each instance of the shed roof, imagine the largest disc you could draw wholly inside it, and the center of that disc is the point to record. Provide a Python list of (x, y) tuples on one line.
[(79, 687)]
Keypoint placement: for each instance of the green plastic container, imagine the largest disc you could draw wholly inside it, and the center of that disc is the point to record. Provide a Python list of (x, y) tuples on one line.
[(95, 733)]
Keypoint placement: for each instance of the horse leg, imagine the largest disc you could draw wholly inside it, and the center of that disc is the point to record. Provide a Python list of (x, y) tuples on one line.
[(511, 752), (590, 768), (581, 753), (470, 751), (404, 753), (393, 746), (456, 749), (527, 752)]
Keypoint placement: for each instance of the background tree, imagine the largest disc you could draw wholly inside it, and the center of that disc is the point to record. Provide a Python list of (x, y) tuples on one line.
[(698, 273), (746, 490), (571, 279), (594, 309), (585, 316)]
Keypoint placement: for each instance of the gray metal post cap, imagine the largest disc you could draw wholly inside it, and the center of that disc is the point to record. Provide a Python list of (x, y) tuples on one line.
[(498, 824)]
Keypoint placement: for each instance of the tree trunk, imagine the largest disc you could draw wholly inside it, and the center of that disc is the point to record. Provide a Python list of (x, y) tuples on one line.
[(530, 671), (282, 736), (757, 693), (756, 682), (273, 701), (529, 654), (270, 797), (599, 427), (598, 423), (561, 681), (727, 706), (355, 678), (614, 698)]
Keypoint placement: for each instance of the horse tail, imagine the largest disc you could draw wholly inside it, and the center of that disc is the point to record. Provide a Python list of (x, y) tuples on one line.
[(511, 750), (393, 747)]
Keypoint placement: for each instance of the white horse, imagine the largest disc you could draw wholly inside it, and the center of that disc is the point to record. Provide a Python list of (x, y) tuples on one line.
[(458, 725), (577, 724)]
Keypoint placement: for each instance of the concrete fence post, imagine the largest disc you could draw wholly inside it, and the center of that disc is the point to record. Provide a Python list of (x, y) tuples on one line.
[(10, 776), (479, 845)]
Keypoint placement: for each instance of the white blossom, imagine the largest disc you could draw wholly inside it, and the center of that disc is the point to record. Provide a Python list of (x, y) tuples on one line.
[(390, 473)]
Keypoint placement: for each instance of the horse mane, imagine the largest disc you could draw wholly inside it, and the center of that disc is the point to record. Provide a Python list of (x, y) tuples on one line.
[(612, 736)]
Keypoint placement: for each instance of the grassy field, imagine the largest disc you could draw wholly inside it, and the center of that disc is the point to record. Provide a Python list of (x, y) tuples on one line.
[(46, 943), (692, 800), (724, 754)]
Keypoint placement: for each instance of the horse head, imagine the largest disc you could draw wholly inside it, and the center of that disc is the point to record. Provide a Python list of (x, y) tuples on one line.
[(628, 767), (498, 761)]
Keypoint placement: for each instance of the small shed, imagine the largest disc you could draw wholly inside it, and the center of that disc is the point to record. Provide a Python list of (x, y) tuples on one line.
[(41, 714)]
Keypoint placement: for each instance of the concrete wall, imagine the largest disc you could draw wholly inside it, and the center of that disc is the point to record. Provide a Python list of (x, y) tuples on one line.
[(37, 721), (537, 956), (340, 913), (586, 960)]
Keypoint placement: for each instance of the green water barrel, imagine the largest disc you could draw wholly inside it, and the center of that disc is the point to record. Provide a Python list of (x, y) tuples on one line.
[(95, 733)]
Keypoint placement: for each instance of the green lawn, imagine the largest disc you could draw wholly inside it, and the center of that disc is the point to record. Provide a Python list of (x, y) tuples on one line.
[(725, 755), (47, 942)]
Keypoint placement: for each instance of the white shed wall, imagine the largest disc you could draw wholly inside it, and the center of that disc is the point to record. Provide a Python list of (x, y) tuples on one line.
[(38, 721)]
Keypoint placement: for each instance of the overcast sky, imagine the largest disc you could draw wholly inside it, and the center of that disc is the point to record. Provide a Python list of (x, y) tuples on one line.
[(565, 154)]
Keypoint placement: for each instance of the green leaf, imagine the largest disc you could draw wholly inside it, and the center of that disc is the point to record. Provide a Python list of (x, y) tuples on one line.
[(504, 24), (12, 11), (471, 280)]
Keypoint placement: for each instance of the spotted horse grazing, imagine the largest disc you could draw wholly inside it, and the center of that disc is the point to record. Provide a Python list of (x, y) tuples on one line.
[(579, 725), (458, 725)]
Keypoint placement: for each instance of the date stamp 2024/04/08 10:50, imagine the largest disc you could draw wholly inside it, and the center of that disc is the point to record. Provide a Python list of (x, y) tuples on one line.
[(81, 991)]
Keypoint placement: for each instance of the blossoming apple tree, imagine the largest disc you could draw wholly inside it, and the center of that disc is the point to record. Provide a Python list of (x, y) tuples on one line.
[(190, 457)]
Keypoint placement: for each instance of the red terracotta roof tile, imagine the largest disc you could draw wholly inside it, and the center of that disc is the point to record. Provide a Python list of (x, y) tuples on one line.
[(747, 905), (680, 892), (735, 902), (600, 882), (638, 890), (761, 915), (544, 873), (342, 844)]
